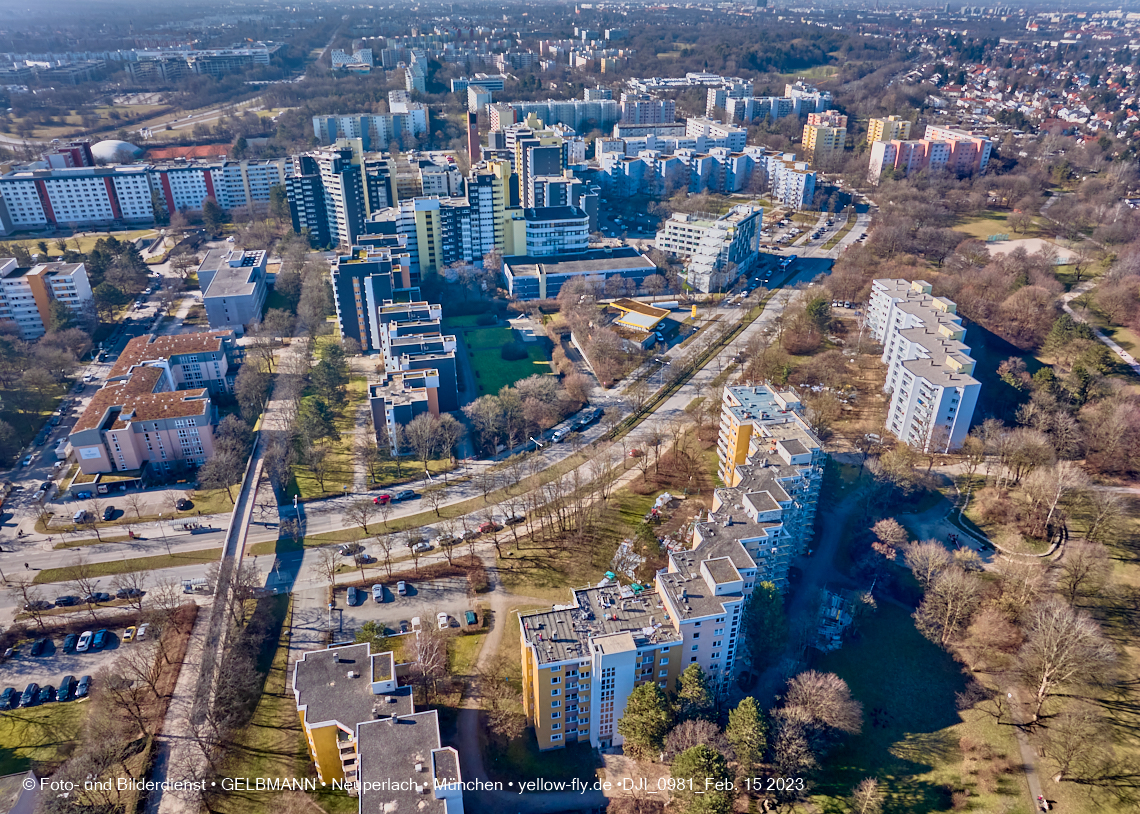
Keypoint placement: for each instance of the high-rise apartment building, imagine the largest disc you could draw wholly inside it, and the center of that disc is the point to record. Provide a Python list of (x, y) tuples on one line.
[(823, 143), (363, 731), (891, 128), (929, 368), (941, 149), (641, 108), (716, 251), (27, 294), (376, 131)]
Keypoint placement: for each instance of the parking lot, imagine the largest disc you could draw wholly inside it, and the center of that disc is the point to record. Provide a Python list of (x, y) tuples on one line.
[(53, 663), (425, 600)]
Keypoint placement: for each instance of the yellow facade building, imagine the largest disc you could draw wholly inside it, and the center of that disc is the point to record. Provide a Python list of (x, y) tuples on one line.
[(823, 142), (891, 128)]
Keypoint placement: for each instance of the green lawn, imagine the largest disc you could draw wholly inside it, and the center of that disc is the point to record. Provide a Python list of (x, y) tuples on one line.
[(492, 371), (41, 734), (912, 731), (86, 242), (461, 321), (463, 652)]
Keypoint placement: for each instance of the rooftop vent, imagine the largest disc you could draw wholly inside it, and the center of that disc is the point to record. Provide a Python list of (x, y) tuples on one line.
[(353, 674), (419, 767)]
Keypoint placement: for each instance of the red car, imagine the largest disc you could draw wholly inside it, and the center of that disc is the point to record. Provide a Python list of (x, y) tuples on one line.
[(380, 500), (489, 527)]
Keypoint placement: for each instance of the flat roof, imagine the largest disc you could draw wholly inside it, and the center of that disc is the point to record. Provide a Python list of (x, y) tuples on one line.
[(398, 767), (149, 346), (540, 213), (323, 687), (595, 261)]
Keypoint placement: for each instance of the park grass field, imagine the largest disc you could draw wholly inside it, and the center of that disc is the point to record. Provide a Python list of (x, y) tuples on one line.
[(492, 371)]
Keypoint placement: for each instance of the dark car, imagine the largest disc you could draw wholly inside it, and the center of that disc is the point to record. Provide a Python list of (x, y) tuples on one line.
[(8, 697), (38, 647), (66, 688), (108, 513), (38, 604), (407, 494), (183, 504), (47, 694), (128, 593), (70, 642), (515, 519), (66, 601), (355, 597), (96, 598), (47, 484), (99, 640), (31, 695), (83, 687)]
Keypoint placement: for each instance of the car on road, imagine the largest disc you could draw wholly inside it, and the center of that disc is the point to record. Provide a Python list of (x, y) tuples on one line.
[(378, 593), (406, 494), (129, 633), (38, 647), (99, 640), (84, 643), (380, 500), (66, 601), (355, 596), (83, 687), (142, 631), (66, 688), (349, 549), (421, 547), (108, 513), (31, 695), (183, 504), (402, 588), (69, 642), (560, 435), (489, 526), (7, 697), (27, 460), (635, 453), (443, 621)]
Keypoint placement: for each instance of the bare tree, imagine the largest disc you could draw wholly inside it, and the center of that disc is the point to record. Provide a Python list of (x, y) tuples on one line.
[(1083, 569), (328, 561), (891, 532), (948, 605), (29, 597), (137, 501), (826, 700), (413, 541), (1063, 647), (926, 560), (386, 541), (361, 513), (434, 498), (133, 585), (866, 797), (1104, 511), (429, 657)]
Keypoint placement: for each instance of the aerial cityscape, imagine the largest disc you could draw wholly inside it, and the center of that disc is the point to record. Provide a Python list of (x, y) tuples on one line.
[(525, 408)]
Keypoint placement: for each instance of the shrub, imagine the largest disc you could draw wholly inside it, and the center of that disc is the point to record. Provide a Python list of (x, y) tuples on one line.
[(513, 351)]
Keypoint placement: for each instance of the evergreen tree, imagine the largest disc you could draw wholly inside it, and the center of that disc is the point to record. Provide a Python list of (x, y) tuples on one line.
[(747, 734), (647, 719), (707, 786), (212, 216), (764, 627), (694, 699)]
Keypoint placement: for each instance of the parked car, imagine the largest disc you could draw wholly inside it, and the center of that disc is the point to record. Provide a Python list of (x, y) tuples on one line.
[(81, 516), (84, 643), (380, 500), (470, 618), (129, 633), (83, 687), (349, 549), (38, 604), (99, 640), (47, 694), (402, 588), (183, 504), (355, 596), (69, 642), (85, 495), (47, 484), (406, 494), (38, 647), (489, 526), (66, 688), (27, 460), (142, 631), (8, 697), (470, 534), (108, 513), (378, 593), (445, 540), (96, 598), (66, 601), (421, 547), (515, 519), (364, 559), (635, 453), (443, 621), (129, 593), (31, 695)]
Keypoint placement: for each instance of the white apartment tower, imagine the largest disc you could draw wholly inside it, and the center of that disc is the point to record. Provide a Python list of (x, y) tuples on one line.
[(929, 368)]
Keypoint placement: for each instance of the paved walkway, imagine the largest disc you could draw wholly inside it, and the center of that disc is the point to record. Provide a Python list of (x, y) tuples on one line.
[(1124, 355), (175, 750)]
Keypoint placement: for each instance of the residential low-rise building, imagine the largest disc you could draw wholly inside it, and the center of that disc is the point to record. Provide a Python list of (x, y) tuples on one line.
[(929, 367), (233, 284), (716, 250), (538, 278)]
